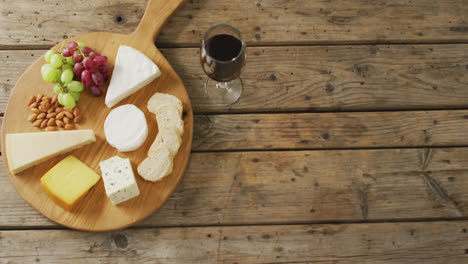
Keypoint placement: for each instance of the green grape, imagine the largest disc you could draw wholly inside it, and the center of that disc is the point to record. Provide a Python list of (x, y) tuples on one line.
[(70, 61), (58, 88), (56, 60), (67, 76), (44, 67), (48, 55), (75, 86), (75, 95), (60, 98), (48, 74), (67, 66), (81, 44), (58, 73), (68, 101)]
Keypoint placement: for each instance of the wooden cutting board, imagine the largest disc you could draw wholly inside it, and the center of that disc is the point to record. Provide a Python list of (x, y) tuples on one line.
[(95, 212)]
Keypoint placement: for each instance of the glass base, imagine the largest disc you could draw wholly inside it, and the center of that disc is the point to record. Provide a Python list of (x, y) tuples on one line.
[(223, 93)]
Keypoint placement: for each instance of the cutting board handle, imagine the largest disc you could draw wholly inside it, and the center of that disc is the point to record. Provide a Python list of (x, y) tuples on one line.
[(157, 13)]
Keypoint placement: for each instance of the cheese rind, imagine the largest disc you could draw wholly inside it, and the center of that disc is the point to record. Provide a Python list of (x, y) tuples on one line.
[(126, 128), (68, 182), (25, 150), (119, 180), (132, 71)]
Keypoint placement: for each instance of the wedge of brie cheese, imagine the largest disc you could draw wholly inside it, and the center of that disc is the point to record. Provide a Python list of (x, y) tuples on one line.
[(25, 150), (132, 71)]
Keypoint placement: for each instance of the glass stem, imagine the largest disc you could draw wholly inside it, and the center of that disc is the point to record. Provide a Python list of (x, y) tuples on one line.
[(223, 85)]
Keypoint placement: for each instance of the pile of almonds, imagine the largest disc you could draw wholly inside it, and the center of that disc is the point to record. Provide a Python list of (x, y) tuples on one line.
[(49, 114)]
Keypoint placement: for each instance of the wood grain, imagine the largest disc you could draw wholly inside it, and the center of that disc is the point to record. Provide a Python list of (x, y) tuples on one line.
[(95, 212), (299, 187), (267, 22), (432, 243), (330, 130), (329, 78)]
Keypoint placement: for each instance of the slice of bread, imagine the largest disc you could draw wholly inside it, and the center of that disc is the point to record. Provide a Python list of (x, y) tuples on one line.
[(159, 99), (157, 166), (167, 138), (168, 116)]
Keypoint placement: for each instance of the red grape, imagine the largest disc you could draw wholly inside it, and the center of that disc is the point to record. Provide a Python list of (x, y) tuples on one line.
[(77, 57), (86, 78), (67, 52), (100, 60), (72, 45), (97, 78), (89, 64), (105, 77), (78, 69), (103, 68), (86, 50), (95, 90), (93, 54)]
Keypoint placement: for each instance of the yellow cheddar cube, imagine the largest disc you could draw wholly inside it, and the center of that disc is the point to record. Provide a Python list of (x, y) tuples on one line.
[(68, 181)]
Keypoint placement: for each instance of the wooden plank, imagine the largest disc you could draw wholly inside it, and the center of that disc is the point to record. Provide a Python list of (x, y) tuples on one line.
[(328, 130), (316, 78), (299, 187), (431, 243), (267, 22)]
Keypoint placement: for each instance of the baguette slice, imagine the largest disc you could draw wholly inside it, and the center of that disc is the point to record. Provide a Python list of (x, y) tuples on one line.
[(167, 138), (157, 166), (160, 99), (168, 116)]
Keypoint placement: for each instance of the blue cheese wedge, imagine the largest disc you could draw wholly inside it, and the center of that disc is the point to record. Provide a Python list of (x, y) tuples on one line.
[(132, 71), (119, 180)]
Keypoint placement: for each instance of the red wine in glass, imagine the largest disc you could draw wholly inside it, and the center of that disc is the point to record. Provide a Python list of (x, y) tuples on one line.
[(222, 58)]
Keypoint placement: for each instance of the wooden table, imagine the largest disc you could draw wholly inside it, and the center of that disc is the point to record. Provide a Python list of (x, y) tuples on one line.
[(349, 143)]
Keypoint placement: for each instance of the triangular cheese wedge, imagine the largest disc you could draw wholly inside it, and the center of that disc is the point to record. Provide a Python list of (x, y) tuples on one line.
[(132, 71), (25, 150)]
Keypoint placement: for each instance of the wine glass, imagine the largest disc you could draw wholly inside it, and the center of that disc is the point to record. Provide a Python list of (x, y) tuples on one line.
[(222, 58)]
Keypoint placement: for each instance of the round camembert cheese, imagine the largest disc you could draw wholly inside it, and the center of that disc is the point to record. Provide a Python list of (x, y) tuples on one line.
[(126, 128)]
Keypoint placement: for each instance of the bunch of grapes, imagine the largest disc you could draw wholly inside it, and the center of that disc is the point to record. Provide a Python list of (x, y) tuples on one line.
[(79, 62)]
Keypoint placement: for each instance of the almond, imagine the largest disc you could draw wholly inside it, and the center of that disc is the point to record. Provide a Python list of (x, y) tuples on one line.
[(66, 120), (76, 111), (50, 115), (33, 105), (41, 108), (68, 110), (35, 110), (51, 122), (68, 114), (32, 100), (58, 110), (51, 128), (39, 98), (41, 116), (46, 98), (57, 104), (69, 127), (59, 123), (32, 117), (46, 105), (51, 109), (37, 123), (44, 123), (60, 115), (54, 99), (78, 119)]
